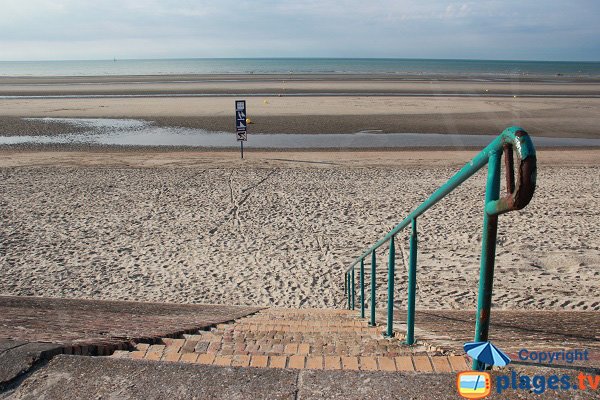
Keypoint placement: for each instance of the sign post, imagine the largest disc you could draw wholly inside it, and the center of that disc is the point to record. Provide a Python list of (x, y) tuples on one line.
[(240, 124)]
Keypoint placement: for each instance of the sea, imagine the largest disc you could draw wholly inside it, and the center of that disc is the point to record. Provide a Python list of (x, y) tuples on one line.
[(493, 69)]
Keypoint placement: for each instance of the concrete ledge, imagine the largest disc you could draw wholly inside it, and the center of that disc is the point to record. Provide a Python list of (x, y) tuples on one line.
[(17, 357), (38, 328), (75, 321), (75, 377)]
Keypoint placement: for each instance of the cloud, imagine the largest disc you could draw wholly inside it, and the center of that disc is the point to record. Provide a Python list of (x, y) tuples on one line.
[(58, 29)]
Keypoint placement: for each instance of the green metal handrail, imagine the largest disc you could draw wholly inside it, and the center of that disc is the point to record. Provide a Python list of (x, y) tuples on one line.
[(519, 193)]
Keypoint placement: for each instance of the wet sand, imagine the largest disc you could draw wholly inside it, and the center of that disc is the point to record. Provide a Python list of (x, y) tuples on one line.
[(314, 103), (546, 117), (279, 228)]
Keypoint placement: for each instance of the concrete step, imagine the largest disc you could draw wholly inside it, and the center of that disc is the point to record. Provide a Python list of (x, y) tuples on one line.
[(298, 339)]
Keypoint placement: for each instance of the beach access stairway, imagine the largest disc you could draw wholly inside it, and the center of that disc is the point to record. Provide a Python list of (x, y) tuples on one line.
[(298, 339), (337, 339)]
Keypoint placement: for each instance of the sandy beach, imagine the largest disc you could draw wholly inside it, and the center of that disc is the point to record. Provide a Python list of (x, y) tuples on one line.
[(278, 228)]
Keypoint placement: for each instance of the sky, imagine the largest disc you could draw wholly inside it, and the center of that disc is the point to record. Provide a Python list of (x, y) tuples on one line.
[(129, 29)]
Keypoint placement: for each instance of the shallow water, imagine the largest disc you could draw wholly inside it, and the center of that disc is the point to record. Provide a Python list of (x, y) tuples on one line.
[(467, 68), (268, 94), (131, 132)]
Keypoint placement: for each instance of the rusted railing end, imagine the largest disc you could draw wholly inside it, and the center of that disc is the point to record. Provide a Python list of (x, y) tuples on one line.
[(519, 188)]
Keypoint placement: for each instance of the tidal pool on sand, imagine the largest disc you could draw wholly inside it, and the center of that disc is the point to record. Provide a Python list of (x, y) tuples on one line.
[(132, 132)]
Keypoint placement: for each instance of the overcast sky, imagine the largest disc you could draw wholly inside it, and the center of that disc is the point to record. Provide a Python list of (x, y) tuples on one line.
[(484, 29)]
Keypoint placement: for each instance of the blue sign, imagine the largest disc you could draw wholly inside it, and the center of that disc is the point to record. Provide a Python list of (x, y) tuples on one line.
[(240, 115)]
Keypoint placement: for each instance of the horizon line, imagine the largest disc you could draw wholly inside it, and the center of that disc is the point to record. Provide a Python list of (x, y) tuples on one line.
[(299, 58)]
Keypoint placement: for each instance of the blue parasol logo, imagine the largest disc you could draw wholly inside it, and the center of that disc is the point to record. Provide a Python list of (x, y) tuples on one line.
[(486, 353)]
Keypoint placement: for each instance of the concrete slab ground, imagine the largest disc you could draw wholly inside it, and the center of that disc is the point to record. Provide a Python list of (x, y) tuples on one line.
[(77, 377), (17, 357), (35, 328), (76, 321)]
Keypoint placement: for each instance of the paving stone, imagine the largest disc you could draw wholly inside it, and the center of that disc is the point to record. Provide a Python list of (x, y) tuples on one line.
[(297, 362), (458, 363), (350, 363), (201, 347), (386, 364), (153, 355), (259, 361), (303, 348), (174, 342), (333, 362), (172, 349), (404, 363), (368, 363), (422, 364), (213, 347), (142, 346), (240, 346), (314, 362), (189, 345), (138, 355), (189, 357), (277, 361), (156, 348), (240, 361), (223, 361), (171, 357), (207, 358), (277, 348), (252, 348), (441, 364), (355, 351), (206, 337), (121, 354), (265, 348), (291, 348)]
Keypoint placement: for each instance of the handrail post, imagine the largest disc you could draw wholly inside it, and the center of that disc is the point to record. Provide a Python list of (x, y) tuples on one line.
[(390, 306), (488, 252), (362, 288), (345, 283), (373, 284), (346, 288), (349, 293), (353, 288), (412, 285)]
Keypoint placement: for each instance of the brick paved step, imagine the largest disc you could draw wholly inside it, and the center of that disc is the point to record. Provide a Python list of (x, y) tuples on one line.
[(298, 328), (301, 323), (301, 339), (340, 345)]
